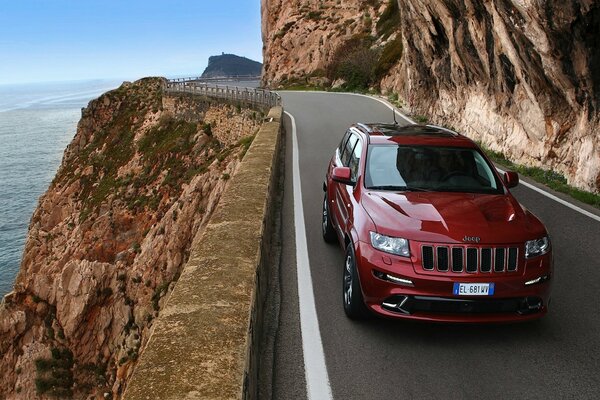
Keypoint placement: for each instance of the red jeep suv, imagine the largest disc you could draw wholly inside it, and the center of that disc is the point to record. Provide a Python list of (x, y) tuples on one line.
[(431, 230)]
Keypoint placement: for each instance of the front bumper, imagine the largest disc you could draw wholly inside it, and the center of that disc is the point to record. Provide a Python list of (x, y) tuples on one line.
[(430, 297)]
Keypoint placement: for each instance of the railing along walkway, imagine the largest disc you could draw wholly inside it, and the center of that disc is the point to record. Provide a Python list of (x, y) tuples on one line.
[(251, 96)]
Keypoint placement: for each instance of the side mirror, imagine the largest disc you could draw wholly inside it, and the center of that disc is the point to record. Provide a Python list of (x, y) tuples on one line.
[(342, 175), (511, 179)]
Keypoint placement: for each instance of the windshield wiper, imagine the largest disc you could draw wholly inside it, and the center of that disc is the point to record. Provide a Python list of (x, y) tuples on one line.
[(399, 188)]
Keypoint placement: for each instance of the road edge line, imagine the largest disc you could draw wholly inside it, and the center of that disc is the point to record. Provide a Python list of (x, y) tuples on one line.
[(555, 198), (315, 369)]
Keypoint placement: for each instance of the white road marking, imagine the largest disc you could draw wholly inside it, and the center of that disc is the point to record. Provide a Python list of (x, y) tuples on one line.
[(557, 199), (388, 105), (315, 370), (528, 185)]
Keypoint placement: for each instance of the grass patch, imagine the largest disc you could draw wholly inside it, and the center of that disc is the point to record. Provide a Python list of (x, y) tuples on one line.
[(245, 144), (395, 100), (169, 136), (549, 178), (305, 87)]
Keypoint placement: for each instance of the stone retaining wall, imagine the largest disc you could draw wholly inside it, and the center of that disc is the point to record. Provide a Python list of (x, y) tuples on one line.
[(204, 344)]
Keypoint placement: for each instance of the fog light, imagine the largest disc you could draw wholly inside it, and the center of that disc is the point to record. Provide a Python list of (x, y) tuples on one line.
[(535, 281), (392, 278)]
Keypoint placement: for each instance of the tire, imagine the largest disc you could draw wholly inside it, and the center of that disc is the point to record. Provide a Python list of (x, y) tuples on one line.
[(354, 304), (329, 234)]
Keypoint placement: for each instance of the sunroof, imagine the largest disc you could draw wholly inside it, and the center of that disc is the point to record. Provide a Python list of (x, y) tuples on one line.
[(410, 130)]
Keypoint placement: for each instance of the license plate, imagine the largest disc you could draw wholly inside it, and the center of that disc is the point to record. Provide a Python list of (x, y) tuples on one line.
[(473, 289)]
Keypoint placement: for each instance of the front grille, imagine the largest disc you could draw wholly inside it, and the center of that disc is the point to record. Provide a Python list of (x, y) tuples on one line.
[(469, 259)]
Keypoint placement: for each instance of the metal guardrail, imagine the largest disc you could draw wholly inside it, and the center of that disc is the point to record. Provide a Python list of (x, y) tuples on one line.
[(251, 96), (234, 78)]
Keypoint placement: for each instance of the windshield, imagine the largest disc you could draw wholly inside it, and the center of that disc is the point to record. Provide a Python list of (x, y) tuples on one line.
[(428, 168)]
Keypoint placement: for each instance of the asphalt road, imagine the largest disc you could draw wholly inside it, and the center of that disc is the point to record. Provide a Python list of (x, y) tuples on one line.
[(557, 357)]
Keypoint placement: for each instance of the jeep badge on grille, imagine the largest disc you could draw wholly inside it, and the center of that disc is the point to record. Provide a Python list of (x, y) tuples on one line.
[(472, 239)]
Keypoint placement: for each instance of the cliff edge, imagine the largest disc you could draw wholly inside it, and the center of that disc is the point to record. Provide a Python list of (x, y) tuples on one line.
[(141, 177)]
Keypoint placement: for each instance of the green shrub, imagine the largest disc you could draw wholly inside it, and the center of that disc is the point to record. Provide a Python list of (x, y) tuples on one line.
[(158, 293), (391, 54), (314, 15), (136, 247), (354, 62), (389, 22), (207, 128), (54, 376)]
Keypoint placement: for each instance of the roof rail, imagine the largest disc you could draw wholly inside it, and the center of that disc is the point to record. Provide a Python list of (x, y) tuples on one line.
[(444, 129), (364, 127)]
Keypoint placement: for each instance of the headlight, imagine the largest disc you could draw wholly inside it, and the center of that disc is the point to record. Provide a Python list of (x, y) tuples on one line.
[(534, 248), (392, 245)]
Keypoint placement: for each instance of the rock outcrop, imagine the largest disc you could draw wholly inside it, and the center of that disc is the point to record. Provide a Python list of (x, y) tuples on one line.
[(230, 65), (521, 76), (109, 238), (300, 38)]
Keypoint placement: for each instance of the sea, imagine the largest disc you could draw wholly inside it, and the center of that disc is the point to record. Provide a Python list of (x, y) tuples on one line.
[(37, 122)]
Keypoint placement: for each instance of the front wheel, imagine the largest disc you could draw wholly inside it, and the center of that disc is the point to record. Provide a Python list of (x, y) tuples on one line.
[(354, 304), (329, 234)]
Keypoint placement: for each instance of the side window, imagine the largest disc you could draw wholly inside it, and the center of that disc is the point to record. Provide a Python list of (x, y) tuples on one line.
[(348, 149), (343, 143), (355, 160)]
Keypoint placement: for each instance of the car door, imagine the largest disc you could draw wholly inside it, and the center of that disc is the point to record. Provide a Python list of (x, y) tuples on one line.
[(345, 201)]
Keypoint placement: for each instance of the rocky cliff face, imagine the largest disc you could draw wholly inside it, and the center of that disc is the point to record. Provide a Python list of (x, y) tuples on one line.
[(300, 38), (108, 239), (522, 76)]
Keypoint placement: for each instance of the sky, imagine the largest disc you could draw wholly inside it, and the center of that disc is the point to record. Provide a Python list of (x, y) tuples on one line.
[(63, 40)]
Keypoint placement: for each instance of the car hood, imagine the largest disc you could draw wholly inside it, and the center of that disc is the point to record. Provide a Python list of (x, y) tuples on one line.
[(450, 217)]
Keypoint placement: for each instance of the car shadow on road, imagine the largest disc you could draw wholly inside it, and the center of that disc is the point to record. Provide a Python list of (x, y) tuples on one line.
[(428, 332)]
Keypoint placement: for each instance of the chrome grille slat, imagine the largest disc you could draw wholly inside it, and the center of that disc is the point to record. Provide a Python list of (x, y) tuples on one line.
[(459, 259), (499, 260), (472, 259), (513, 260), (443, 259), (427, 256), (486, 260)]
